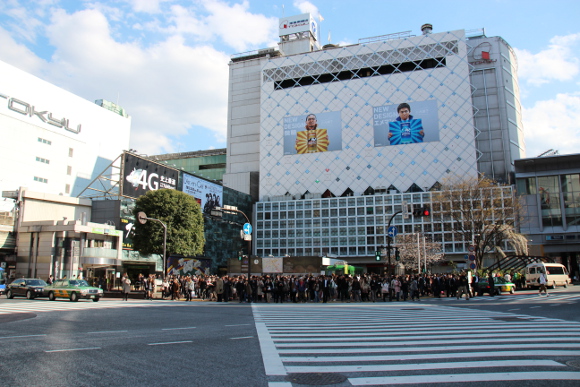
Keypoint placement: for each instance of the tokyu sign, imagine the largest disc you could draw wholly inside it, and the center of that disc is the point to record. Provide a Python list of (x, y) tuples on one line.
[(45, 116)]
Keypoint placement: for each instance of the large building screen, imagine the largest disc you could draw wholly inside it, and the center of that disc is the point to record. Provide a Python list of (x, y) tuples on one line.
[(312, 133), (406, 123)]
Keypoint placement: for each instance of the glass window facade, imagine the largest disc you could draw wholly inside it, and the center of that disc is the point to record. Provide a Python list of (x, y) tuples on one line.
[(351, 229)]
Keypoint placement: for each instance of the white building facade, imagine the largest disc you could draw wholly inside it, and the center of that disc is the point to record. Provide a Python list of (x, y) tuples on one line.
[(338, 195), (52, 140)]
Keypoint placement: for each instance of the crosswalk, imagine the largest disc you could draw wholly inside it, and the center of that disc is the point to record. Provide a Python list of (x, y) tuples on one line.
[(520, 298), (38, 306), (412, 344)]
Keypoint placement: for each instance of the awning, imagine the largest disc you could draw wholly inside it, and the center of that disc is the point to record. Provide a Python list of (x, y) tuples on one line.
[(92, 261)]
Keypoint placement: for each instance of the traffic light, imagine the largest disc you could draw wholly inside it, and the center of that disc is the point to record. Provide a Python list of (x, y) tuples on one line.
[(422, 211), (378, 255), (397, 254)]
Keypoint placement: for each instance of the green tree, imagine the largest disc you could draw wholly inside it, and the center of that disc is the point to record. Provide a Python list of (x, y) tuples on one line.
[(182, 215), (483, 212)]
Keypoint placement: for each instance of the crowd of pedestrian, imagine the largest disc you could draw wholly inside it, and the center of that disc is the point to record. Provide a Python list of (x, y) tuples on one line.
[(317, 288)]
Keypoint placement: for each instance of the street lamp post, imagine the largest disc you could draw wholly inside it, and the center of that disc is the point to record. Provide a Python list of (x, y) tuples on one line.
[(389, 238), (142, 218), (218, 211)]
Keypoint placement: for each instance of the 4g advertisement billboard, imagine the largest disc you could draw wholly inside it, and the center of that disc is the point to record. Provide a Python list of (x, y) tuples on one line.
[(140, 176)]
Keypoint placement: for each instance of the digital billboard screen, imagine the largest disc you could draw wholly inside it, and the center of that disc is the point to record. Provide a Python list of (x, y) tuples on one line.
[(406, 123), (207, 194), (312, 133), (140, 176)]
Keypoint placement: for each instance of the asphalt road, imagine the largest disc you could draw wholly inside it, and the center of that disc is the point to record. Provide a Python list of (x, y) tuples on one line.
[(188, 345), (165, 343)]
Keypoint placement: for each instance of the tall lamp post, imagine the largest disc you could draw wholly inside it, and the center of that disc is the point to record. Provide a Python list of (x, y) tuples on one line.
[(142, 218), (247, 231)]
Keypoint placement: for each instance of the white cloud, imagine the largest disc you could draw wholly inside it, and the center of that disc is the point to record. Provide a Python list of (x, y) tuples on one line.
[(306, 6), (553, 124), (237, 27), (166, 88), (146, 6), (558, 62)]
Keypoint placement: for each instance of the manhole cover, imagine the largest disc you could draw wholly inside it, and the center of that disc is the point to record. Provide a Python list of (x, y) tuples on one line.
[(574, 363), (316, 379)]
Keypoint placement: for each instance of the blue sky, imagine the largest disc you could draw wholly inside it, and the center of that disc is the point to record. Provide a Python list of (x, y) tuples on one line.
[(166, 61)]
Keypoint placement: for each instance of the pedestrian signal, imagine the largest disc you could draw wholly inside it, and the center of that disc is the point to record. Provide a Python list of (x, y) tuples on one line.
[(397, 254), (378, 255)]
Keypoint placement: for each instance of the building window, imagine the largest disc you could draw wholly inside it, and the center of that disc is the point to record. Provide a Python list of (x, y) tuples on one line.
[(44, 141), (42, 160), (40, 179), (70, 152), (67, 188), (69, 170)]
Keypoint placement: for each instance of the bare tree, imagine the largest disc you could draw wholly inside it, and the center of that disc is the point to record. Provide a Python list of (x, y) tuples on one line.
[(483, 212), (415, 245)]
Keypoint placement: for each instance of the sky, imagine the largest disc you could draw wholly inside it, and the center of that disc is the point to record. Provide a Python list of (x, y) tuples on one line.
[(166, 61)]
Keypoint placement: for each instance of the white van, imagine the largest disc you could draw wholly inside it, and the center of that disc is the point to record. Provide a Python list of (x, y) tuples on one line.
[(556, 274)]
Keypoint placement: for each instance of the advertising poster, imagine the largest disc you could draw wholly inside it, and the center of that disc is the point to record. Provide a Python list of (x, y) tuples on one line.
[(140, 176), (207, 194), (406, 123), (272, 265), (312, 133), (188, 266), (302, 265)]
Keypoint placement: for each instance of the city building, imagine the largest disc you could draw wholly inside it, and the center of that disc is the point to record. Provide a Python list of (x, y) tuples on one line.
[(207, 164), (340, 137), (52, 140), (54, 236), (549, 188)]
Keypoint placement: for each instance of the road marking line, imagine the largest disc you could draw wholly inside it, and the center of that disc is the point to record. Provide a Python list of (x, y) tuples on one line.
[(464, 378), (466, 355), (19, 337), (386, 349), (73, 349), (240, 338), (172, 342), (426, 366)]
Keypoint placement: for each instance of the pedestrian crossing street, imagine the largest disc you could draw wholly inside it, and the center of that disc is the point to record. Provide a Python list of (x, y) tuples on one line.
[(414, 344), (40, 305), (517, 298)]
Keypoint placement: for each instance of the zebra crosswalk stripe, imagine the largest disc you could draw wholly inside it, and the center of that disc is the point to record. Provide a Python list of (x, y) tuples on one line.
[(427, 344)]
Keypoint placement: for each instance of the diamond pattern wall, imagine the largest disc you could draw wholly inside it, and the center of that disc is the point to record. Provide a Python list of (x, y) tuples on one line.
[(354, 80)]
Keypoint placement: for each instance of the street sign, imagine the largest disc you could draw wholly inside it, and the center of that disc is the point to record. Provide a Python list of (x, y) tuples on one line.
[(392, 231), (141, 217), (247, 229)]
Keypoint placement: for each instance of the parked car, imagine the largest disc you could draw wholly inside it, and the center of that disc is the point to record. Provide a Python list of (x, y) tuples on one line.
[(74, 290), (26, 287), (500, 285)]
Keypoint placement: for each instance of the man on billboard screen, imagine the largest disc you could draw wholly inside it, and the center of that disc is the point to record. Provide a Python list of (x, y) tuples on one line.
[(312, 139), (405, 129)]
